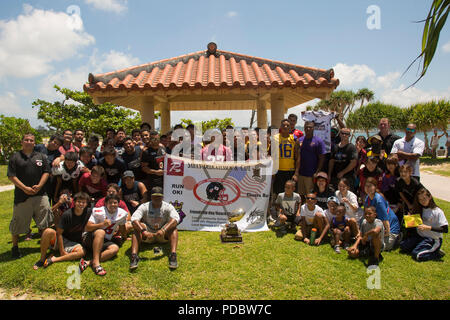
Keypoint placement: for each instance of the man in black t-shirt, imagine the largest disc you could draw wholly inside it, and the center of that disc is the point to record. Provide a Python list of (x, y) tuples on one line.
[(387, 137), (51, 150), (152, 162), (132, 158), (343, 160), (28, 170), (67, 237), (113, 165)]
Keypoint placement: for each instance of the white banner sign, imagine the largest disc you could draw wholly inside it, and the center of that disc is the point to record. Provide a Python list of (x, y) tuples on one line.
[(206, 192)]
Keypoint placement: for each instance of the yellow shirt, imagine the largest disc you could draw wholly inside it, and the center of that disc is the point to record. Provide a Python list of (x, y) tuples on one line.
[(286, 152)]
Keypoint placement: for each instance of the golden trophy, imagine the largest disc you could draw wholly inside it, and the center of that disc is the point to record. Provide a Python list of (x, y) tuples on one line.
[(231, 232)]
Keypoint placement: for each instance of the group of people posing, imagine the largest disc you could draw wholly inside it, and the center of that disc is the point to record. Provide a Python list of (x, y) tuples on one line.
[(356, 195), (89, 199)]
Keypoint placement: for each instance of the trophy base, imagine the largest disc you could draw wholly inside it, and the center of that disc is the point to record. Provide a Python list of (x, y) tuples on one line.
[(225, 237)]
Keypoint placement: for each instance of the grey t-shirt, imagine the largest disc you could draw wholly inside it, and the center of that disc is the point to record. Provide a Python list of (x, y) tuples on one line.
[(289, 205), (155, 218), (366, 227)]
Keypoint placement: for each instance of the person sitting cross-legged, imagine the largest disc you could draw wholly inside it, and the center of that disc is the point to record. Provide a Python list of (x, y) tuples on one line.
[(155, 222), (67, 237), (100, 229)]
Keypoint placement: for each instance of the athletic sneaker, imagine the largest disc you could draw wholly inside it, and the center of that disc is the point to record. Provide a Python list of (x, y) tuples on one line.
[(173, 264), (134, 261), (346, 246), (15, 253), (337, 249)]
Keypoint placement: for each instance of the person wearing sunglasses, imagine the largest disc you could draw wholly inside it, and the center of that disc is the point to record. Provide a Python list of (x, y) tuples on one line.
[(409, 149), (344, 158)]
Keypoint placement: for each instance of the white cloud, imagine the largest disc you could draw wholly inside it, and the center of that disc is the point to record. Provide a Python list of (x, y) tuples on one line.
[(388, 79), (387, 87), (67, 78), (116, 6), (446, 47), (231, 14), (350, 76), (111, 61), (405, 98), (31, 42), (9, 105), (75, 79)]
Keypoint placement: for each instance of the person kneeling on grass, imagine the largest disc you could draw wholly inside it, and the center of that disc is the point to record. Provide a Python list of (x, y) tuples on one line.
[(155, 221), (312, 216), (426, 244), (370, 242), (67, 237), (100, 229)]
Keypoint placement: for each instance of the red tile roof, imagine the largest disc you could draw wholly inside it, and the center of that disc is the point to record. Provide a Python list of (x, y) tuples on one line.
[(203, 70)]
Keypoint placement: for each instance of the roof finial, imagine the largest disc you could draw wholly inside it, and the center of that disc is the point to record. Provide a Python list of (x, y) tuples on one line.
[(211, 49)]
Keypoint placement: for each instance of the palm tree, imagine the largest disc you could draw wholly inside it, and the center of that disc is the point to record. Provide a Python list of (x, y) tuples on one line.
[(364, 95), (434, 23)]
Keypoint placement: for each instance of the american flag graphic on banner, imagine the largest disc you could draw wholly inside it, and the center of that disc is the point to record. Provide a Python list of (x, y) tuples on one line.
[(246, 184)]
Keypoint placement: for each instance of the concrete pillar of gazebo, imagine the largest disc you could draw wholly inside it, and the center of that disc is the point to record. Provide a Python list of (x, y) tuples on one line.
[(277, 109), (165, 117), (261, 113), (147, 111)]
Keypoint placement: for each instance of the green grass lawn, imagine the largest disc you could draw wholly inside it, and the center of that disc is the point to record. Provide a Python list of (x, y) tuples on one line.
[(265, 266), (3, 178)]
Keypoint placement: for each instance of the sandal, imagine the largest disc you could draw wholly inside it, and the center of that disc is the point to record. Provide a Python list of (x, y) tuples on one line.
[(48, 262), (38, 265), (83, 265), (98, 270)]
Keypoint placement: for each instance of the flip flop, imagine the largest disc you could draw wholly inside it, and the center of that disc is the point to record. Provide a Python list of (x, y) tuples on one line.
[(38, 265), (98, 270), (48, 262), (83, 265)]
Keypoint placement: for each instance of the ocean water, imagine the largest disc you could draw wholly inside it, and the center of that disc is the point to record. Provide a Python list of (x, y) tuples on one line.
[(419, 135)]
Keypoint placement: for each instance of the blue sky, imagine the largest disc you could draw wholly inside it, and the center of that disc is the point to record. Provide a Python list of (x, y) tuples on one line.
[(42, 44)]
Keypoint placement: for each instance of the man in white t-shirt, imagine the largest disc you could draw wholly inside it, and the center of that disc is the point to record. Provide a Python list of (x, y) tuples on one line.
[(100, 229), (312, 216), (155, 222), (409, 149)]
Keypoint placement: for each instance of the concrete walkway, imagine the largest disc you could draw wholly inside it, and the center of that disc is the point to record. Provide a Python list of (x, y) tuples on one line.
[(439, 186), (6, 188)]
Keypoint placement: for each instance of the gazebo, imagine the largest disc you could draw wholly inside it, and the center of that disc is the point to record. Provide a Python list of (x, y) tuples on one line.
[(212, 80)]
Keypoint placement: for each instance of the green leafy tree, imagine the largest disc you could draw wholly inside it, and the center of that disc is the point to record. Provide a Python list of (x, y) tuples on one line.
[(11, 132), (78, 111), (220, 124), (430, 115), (368, 117)]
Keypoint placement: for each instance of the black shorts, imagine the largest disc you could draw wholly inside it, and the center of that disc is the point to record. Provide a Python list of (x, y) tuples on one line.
[(280, 180), (88, 240)]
